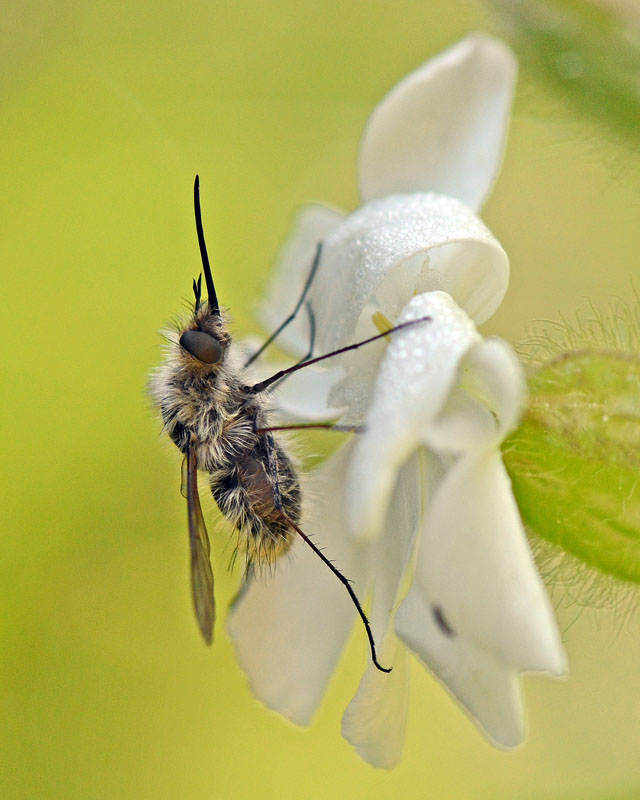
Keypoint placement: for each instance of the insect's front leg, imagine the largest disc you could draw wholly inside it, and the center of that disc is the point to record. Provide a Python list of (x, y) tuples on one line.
[(294, 313), (313, 426), (283, 373)]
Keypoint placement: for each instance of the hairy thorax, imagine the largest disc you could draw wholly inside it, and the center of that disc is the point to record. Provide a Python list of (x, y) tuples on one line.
[(252, 478)]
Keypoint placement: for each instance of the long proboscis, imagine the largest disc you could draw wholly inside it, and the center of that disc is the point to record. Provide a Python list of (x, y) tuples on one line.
[(208, 278)]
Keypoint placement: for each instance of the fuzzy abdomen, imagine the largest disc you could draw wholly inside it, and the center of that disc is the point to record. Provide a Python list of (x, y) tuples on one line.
[(253, 492)]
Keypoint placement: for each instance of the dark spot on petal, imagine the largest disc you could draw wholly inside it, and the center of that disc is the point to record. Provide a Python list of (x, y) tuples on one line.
[(442, 622)]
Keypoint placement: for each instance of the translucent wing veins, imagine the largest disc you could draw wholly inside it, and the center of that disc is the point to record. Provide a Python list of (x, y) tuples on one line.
[(201, 573)]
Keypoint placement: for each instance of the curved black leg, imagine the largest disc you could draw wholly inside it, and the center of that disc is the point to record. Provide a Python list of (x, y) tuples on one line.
[(294, 313), (262, 385)]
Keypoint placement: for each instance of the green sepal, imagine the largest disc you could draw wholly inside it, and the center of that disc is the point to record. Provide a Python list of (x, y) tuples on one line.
[(575, 459)]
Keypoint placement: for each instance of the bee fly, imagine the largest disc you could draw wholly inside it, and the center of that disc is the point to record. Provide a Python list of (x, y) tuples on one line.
[(220, 424)]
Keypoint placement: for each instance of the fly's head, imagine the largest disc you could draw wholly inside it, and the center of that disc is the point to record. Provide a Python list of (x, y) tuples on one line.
[(205, 340)]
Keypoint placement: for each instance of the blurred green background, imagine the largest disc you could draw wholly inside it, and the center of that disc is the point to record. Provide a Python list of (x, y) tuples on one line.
[(108, 111)]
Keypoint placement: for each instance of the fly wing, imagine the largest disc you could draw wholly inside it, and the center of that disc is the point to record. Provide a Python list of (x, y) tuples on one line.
[(201, 574)]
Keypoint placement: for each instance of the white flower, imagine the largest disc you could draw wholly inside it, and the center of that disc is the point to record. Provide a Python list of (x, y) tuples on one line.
[(420, 501)]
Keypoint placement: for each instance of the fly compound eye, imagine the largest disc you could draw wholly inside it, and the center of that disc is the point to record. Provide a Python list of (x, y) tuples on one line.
[(201, 345)]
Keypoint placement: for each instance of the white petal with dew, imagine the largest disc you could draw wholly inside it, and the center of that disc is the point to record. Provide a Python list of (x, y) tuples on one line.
[(417, 373), (475, 566), (393, 248), (484, 685), (487, 401), (443, 127), (290, 627), (375, 720), (311, 225)]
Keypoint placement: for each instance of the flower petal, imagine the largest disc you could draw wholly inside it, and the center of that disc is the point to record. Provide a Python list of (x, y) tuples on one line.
[(359, 372), (443, 127), (394, 550), (390, 249), (289, 627), (484, 685), (475, 570), (305, 394), (302, 395), (486, 404), (311, 225), (375, 720), (416, 375)]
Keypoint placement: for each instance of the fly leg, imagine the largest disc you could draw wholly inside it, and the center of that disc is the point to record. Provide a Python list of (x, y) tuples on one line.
[(314, 426), (272, 468), (294, 313), (262, 385)]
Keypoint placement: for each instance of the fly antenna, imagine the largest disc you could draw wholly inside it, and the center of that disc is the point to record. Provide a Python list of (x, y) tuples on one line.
[(197, 290), (214, 308), (347, 585)]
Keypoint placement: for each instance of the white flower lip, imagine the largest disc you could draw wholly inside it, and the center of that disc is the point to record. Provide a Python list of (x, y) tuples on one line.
[(487, 688), (474, 566)]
